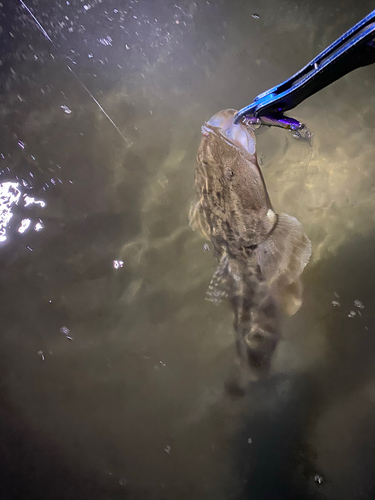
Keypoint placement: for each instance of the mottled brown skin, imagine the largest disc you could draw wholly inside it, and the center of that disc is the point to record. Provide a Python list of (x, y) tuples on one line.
[(234, 212), (234, 201)]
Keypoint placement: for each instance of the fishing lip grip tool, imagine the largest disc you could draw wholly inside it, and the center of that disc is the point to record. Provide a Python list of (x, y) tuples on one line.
[(352, 50)]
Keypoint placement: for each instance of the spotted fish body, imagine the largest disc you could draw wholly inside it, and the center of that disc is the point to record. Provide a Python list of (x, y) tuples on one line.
[(261, 254)]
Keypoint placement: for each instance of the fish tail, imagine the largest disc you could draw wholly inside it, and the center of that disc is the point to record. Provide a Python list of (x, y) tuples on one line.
[(257, 328), (263, 335)]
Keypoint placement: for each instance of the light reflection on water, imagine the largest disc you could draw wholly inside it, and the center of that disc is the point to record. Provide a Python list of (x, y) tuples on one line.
[(10, 195), (110, 355)]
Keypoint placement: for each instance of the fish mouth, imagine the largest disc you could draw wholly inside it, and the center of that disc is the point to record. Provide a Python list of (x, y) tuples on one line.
[(241, 135)]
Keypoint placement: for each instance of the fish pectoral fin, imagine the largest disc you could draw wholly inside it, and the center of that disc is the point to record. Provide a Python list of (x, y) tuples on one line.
[(282, 258), (218, 287), (291, 297), (198, 221)]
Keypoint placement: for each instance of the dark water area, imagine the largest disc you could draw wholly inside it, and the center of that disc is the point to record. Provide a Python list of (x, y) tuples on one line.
[(112, 364)]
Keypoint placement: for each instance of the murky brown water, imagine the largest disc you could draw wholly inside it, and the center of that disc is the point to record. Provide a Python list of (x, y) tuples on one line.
[(133, 407)]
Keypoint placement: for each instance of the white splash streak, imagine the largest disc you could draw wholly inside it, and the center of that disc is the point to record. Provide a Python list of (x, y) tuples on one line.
[(36, 21)]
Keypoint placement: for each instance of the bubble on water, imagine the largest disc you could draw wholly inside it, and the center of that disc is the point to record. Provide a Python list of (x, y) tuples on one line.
[(318, 478), (123, 482), (87, 7), (38, 226), (167, 449), (65, 331), (206, 247), (255, 16), (249, 440), (163, 181), (335, 303), (41, 354), (352, 314), (359, 304), (117, 264), (66, 109), (21, 144)]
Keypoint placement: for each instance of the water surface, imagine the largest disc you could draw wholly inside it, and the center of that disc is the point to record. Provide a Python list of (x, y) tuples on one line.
[(112, 364)]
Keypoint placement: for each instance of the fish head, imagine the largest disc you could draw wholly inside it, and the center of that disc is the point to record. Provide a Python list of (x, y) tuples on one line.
[(233, 202), (241, 134)]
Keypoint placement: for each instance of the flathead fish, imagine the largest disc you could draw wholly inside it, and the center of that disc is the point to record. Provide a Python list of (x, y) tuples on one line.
[(261, 254)]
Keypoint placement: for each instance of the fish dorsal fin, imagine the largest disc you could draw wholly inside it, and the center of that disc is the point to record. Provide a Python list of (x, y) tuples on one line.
[(282, 258), (218, 287)]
